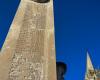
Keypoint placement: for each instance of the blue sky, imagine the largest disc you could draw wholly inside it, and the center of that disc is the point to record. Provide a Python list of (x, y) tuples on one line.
[(77, 29)]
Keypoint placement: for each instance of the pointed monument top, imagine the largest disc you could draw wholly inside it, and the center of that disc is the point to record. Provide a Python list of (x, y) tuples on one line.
[(89, 63)]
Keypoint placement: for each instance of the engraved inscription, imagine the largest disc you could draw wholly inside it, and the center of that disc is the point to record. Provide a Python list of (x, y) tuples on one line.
[(27, 61)]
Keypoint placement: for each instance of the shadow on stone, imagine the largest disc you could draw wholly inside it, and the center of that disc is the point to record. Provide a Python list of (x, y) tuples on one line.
[(61, 70), (41, 1)]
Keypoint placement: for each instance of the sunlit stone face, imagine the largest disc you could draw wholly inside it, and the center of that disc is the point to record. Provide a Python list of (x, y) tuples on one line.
[(91, 79), (41, 1)]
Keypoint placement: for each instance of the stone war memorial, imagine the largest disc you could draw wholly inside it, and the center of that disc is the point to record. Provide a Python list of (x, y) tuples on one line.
[(28, 52)]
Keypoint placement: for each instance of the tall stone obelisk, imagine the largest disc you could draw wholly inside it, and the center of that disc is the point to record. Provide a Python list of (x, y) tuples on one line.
[(29, 49), (90, 71)]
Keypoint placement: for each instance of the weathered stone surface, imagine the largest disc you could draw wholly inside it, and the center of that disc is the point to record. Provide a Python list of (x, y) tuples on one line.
[(29, 50)]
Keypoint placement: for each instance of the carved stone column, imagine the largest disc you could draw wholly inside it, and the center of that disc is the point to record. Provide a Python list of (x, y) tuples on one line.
[(29, 50)]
